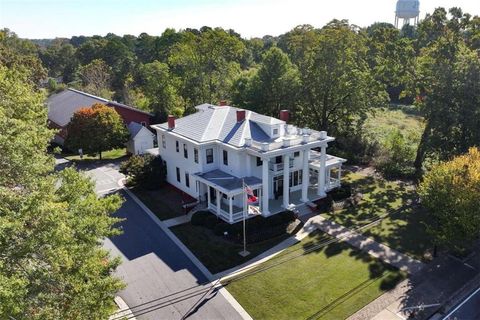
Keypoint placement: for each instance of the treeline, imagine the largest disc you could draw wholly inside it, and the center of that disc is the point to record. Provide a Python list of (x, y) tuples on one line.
[(331, 78)]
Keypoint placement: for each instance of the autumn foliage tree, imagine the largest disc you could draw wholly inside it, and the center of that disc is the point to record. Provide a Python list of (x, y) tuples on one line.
[(95, 129), (451, 193)]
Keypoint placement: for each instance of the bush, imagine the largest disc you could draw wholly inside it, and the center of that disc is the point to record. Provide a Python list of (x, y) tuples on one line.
[(199, 217), (146, 171), (211, 221), (341, 193)]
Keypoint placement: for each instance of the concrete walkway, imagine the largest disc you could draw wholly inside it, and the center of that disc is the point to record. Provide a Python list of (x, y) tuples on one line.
[(177, 220), (366, 244)]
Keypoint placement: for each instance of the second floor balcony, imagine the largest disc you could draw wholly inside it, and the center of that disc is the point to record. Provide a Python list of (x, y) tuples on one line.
[(276, 167)]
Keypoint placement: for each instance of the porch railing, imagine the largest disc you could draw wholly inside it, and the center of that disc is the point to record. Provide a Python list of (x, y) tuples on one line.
[(224, 215), (279, 166)]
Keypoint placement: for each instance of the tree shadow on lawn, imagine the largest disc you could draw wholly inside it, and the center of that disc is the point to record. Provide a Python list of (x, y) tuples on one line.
[(388, 276)]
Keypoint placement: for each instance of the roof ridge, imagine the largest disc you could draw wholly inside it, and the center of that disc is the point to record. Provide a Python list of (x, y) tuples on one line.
[(88, 94), (220, 126)]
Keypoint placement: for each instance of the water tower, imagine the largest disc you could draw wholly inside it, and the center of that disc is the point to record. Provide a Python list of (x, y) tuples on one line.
[(406, 10)]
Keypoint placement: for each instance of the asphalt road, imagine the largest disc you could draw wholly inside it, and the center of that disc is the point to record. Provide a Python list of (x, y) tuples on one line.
[(162, 282), (468, 309)]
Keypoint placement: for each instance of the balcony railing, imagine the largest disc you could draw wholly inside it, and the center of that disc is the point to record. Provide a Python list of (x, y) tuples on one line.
[(293, 138), (279, 166)]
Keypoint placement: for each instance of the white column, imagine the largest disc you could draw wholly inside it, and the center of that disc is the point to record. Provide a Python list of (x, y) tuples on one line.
[(321, 172), (230, 204), (208, 197), (218, 203), (265, 182), (286, 180), (305, 176), (340, 175), (328, 172)]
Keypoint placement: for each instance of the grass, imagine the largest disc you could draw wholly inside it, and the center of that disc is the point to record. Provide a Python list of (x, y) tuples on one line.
[(332, 282), (165, 203), (106, 155), (216, 253), (383, 121), (404, 228)]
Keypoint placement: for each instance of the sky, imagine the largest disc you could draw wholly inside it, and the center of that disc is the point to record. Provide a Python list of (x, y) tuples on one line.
[(37, 19)]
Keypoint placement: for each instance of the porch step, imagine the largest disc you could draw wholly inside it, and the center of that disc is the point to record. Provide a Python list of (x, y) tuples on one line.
[(303, 210)]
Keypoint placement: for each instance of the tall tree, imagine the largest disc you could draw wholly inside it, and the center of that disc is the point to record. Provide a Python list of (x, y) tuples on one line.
[(52, 265), (451, 193), (447, 84), (338, 86), (96, 78), (273, 87), (96, 129), (159, 88)]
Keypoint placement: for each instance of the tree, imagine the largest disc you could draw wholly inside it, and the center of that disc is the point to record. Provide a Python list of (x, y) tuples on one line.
[(95, 129), (338, 86), (451, 193), (96, 78), (396, 155), (273, 87), (447, 78), (158, 86), (52, 265), (23, 132), (146, 171)]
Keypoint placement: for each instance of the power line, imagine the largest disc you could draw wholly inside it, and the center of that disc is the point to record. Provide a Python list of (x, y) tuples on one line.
[(248, 273)]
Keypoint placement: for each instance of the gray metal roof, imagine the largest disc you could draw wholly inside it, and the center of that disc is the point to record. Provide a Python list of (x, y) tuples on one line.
[(227, 181), (211, 123), (134, 128), (61, 106)]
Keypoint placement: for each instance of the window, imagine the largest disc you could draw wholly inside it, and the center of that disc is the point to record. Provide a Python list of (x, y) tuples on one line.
[(275, 132), (164, 143), (185, 151), (209, 155), (296, 154), (177, 146), (278, 159), (195, 155), (295, 178), (187, 179), (259, 161), (225, 157), (178, 175)]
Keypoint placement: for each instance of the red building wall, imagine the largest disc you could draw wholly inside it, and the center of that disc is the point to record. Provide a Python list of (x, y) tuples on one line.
[(129, 115)]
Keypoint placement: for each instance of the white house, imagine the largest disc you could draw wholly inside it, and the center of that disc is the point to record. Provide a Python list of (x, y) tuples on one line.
[(140, 140), (210, 152)]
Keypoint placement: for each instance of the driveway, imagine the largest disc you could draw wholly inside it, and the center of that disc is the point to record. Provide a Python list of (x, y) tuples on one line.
[(162, 282)]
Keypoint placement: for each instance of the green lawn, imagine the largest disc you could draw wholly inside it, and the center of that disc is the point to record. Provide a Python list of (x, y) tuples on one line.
[(106, 155), (330, 283), (165, 203), (403, 229), (216, 253)]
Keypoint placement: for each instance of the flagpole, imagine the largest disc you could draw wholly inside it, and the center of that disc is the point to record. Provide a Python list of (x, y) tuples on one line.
[(244, 253)]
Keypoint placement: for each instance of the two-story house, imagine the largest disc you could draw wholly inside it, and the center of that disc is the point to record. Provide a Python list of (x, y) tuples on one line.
[(209, 153)]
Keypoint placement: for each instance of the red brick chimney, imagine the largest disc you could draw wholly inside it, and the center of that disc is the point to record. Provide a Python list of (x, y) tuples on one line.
[(222, 103), (171, 122), (240, 115), (284, 115)]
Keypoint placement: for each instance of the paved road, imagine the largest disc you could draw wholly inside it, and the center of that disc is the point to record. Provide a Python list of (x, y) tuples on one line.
[(468, 309), (162, 282)]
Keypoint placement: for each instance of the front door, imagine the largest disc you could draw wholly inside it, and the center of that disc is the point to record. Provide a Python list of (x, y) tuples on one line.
[(277, 186)]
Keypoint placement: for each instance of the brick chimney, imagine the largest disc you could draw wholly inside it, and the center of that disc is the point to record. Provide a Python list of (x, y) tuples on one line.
[(171, 122), (284, 115), (222, 103), (240, 115)]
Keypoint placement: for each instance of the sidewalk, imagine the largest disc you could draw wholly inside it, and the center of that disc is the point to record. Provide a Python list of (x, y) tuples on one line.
[(366, 244)]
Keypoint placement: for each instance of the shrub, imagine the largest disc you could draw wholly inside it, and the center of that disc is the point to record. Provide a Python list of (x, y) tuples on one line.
[(199, 217), (396, 156), (211, 221), (146, 171), (341, 193)]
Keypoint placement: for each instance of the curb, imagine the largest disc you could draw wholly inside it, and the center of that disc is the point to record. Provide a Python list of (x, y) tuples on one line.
[(234, 303)]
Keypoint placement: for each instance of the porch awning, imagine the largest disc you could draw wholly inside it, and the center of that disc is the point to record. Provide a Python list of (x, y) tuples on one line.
[(225, 182), (330, 161)]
